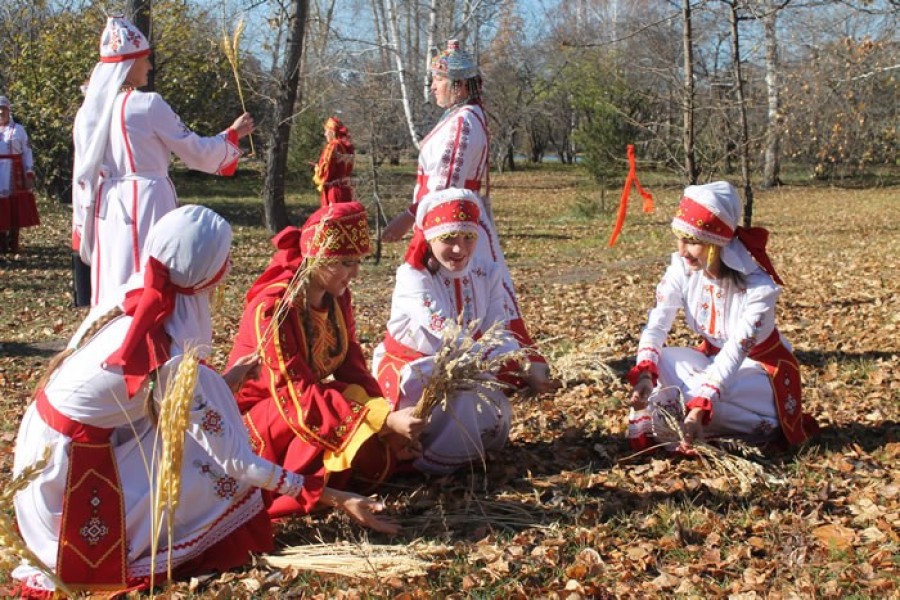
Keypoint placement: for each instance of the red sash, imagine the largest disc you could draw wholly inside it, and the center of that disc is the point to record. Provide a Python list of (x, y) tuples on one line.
[(92, 549), (396, 356), (784, 375)]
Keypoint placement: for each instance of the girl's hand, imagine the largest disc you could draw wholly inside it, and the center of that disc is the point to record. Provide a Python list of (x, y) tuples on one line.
[(243, 125), (244, 367), (398, 227), (538, 378), (693, 424), (404, 423), (641, 392), (361, 509)]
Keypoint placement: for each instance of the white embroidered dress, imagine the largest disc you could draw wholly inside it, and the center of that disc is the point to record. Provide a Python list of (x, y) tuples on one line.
[(421, 306), (455, 155), (731, 318), (135, 189), (220, 475)]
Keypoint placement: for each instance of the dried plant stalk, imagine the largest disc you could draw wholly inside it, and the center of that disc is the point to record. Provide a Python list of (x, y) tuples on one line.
[(359, 561), (295, 289), (231, 46), (174, 417), (12, 546), (585, 363), (466, 363)]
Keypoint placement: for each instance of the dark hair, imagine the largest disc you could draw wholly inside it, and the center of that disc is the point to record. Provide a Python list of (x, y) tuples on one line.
[(726, 272)]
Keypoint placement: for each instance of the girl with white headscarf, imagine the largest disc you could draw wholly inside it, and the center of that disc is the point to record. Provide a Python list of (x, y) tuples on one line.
[(443, 280), (124, 139), (87, 515), (743, 380)]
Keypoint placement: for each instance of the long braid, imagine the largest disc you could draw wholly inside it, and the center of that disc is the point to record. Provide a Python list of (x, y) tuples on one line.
[(60, 357)]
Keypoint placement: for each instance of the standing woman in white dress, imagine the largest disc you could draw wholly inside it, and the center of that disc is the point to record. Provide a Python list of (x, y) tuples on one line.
[(444, 280), (456, 154), (124, 139), (743, 380), (87, 515)]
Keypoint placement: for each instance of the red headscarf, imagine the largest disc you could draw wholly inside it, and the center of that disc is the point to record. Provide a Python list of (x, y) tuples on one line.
[(339, 231)]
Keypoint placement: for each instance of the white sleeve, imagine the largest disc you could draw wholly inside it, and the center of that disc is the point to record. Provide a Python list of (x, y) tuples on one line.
[(208, 154), (669, 298), (419, 312), (216, 425), (466, 151)]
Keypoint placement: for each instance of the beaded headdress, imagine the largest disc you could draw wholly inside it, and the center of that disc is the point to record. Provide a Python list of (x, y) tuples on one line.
[(454, 63), (122, 41), (338, 231)]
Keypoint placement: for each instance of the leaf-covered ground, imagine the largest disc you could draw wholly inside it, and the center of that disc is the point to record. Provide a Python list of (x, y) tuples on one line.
[(565, 511)]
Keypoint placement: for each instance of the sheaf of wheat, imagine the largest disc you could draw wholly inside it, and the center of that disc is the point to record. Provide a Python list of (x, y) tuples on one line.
[(359, 560), (174, 416), (466, 363), (720, 459)]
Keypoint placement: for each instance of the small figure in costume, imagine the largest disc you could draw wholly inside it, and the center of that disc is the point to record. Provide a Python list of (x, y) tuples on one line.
[(743, 381), (334, 171), (445, 280), (87, 515), (314, 408), (124, 140), (17, 205)]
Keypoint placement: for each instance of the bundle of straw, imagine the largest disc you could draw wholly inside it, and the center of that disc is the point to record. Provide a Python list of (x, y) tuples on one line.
[(12, 546), (466, 363), (231, 46), (359, 561), (716, 459), (174, 416)]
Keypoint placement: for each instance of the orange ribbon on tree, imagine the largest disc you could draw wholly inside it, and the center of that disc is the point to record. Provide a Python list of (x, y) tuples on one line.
[(623, 200)]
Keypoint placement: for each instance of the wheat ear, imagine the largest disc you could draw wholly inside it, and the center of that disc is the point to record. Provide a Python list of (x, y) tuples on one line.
[(174, 417), (231, 46)]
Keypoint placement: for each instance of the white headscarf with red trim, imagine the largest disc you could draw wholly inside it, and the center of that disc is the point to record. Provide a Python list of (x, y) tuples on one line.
[(710, 213), (447, 211), (120, 44)]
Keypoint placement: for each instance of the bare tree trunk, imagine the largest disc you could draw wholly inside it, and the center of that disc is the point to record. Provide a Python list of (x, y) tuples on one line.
[(401, 69), (139, 12), (690, 162), (276, 160), (772, 167), (742, 112), (429, 44)]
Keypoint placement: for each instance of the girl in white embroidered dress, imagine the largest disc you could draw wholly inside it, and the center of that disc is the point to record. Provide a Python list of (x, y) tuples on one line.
[(744, 380), (443, 279)]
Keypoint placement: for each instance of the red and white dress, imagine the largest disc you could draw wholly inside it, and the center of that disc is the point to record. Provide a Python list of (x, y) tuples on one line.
[(17, 204), (135, 189), (744, 371), (455, 155), (334, 172), (88, 514), (422, 304)]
